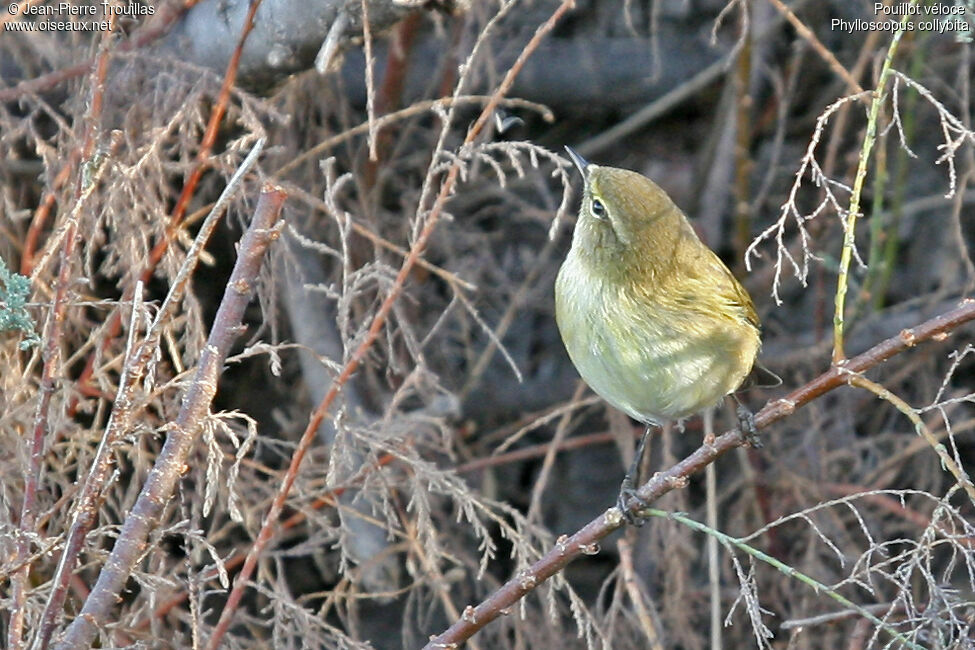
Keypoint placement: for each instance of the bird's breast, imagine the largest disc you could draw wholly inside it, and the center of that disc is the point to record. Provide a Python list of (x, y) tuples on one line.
[(653, 360)]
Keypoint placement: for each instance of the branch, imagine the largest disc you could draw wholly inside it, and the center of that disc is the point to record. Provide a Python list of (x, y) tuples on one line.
[(87, 183), (586, 540), (185, 431), (379, 320), (85, 509)]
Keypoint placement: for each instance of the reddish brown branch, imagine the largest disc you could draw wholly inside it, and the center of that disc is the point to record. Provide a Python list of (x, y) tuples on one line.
[(588, 538), (189, 188), (375, 328), (41, 214), (53, 340), (206, 145)]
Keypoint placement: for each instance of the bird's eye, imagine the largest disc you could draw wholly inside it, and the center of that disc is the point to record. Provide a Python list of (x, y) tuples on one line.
[(598, 209)]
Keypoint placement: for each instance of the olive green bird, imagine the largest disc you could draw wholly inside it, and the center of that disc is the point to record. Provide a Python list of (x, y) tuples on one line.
[(652, 319)]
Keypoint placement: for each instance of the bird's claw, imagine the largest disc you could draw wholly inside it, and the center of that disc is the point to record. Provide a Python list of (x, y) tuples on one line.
[(746, 424), (627, 492)]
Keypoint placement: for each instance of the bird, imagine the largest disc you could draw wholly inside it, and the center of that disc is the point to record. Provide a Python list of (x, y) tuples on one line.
[(651, 318)]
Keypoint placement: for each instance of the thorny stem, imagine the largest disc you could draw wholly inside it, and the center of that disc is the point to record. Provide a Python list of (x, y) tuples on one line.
[(819, 587), (849, 225), (375, 328), (587, 538)]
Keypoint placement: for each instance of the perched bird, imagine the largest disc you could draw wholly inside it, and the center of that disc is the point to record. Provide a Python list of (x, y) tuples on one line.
[(652, 319)]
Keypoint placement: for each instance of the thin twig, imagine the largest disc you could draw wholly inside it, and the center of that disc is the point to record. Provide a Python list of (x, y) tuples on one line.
[(834, 617), (455, 281), (964, 480), (87, 183), (185, 430), (370, 82), (561, 430), (400, 115), (330, 46), (819, 48), (670, 100), (508, 318), (637, 595), (375, 328)]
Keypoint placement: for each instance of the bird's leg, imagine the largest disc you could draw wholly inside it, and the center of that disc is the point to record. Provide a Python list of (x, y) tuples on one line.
[(746, 424), (630, 482)]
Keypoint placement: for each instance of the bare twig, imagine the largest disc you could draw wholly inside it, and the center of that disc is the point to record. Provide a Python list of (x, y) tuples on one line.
[(87, 183), (964, 480), (413, 110), (370, 82), (326, 54), (561, 430), (671, 100), (124, 411), (185, 430), (452, 279), (834, 617), (637, 595), (817, 45), (378, 321)]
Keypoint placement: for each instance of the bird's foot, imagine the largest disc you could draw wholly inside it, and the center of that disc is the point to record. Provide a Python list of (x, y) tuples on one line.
[(627, 492), (746, 425)]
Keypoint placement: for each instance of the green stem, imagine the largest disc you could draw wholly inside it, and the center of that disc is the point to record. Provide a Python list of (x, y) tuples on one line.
[(850, 223)]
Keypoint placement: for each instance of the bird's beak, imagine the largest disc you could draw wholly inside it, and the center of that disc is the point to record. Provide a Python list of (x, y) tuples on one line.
[(581, 163)]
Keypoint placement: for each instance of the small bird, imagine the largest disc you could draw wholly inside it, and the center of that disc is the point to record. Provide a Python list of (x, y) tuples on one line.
[(652, 319)]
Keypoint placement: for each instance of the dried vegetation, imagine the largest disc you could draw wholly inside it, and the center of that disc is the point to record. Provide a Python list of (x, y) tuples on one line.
[(395, 431)]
